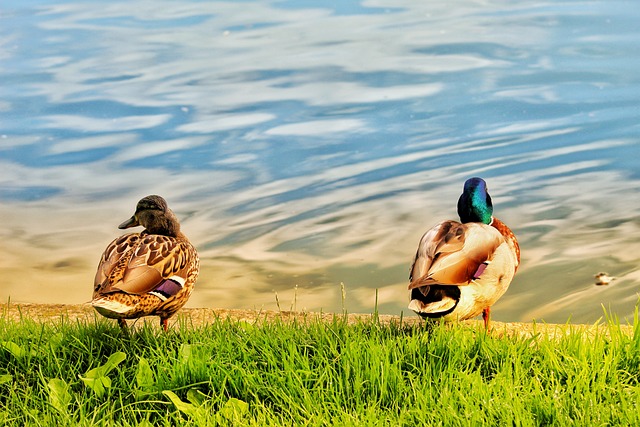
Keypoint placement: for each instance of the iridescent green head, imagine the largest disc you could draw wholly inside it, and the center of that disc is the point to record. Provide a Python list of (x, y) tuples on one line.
[(474, 205)]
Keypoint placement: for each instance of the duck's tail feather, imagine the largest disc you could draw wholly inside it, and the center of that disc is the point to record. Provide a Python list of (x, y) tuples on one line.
[(110, 308)]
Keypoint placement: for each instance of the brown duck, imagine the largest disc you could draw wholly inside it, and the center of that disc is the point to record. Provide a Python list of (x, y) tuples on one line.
[(462, 268), (151, 273)]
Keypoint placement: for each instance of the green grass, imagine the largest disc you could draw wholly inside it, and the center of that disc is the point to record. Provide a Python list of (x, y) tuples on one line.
[(314, 373)]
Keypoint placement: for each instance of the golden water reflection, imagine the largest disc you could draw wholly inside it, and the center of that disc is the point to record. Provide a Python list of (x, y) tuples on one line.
[(300, 160)]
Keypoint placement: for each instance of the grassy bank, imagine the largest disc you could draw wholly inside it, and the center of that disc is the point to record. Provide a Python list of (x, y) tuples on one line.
[(314, 372)]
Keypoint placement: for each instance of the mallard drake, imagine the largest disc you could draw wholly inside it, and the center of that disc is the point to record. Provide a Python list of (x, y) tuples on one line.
[(462, 268), (151, 273)]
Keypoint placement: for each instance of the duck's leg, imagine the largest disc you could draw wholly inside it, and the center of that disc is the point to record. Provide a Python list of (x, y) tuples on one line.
[(164, 323), (123, 325), (486, 314)]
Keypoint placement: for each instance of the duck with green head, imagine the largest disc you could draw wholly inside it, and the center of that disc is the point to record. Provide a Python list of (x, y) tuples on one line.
[(462, 268)]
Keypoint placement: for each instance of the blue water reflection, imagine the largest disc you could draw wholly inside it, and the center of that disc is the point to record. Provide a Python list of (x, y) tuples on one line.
[(308, 144)]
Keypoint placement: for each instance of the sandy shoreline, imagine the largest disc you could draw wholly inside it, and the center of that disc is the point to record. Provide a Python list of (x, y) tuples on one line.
[(201, 316)]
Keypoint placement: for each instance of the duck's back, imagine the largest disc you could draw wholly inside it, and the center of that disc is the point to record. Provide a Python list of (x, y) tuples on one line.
[(145, 274), (459, 269)]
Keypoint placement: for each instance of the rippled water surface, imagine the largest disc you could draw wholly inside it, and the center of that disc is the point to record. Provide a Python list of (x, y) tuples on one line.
[(305, 144)]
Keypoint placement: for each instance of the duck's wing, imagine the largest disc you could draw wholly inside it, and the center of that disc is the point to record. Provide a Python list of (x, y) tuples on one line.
[(150, 263), (452, 253), (114, 261)]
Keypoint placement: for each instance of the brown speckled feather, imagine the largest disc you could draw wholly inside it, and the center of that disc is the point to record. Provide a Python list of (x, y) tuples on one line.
[(147, 273), (137, 263)]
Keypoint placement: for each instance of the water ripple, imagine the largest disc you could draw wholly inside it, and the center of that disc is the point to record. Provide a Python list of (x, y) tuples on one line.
[(308, 145)]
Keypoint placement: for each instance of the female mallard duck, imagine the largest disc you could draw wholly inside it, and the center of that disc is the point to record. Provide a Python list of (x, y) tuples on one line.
[(462, 268), (151, 273)]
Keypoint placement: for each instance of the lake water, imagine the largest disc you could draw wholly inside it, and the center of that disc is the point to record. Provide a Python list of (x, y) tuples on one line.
[(307, 144)]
